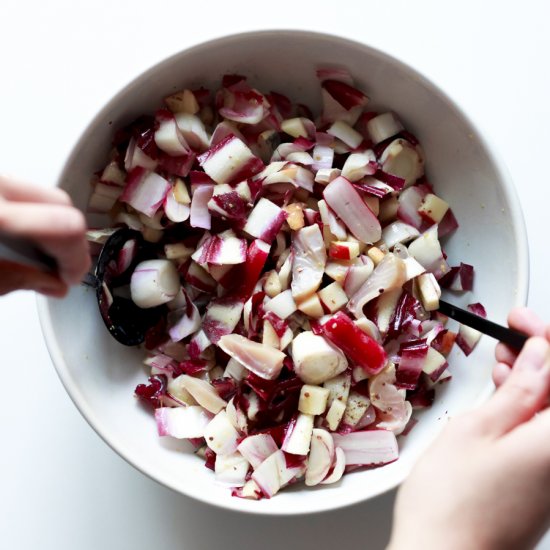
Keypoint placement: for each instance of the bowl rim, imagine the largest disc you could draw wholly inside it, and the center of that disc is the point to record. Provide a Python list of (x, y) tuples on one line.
[(43, 303)]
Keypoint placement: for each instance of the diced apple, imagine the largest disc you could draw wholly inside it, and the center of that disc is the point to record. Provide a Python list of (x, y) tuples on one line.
[(433, 208), (182, 102), (434, 364), (358, 165), (375, 254), (403, 160), (356, 407), (326, 175), (335, 414), (283, 305), (426, 249), (467, 339), (383, 126), (333, 297), (295, 127), (429, 290), (338, 270), (312, 307), (345, 133), (344, 250), (112, 173), (295, 216), (313, 399)]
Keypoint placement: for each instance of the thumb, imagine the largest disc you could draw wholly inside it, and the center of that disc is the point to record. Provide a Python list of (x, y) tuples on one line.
[(524, 392), (14, 276)]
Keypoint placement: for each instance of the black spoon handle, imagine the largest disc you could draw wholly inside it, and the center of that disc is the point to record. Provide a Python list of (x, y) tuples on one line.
[(23, 251), (508, 336)]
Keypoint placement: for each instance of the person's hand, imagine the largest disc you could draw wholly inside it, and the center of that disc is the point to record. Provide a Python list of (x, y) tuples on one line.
[(524, 320), (485, 482), (46, 217)]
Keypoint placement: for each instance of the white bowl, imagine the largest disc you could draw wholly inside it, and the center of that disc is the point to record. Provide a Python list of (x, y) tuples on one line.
[(100, 375)]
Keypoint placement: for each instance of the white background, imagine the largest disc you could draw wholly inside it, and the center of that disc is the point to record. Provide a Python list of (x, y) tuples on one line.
[(60, 486)]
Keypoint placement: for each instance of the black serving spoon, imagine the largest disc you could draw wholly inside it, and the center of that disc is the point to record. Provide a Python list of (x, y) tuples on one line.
[(22, 251), (126, 322), (506, 335), (131, 322)]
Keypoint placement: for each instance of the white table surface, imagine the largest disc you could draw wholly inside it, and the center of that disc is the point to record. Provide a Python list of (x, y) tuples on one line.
[(61, 487)]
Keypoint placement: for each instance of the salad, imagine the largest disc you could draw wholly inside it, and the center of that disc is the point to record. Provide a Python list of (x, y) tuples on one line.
[(285, 271)]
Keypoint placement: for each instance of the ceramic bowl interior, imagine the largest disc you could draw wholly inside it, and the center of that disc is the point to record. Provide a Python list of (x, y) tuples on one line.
[(100, 375)]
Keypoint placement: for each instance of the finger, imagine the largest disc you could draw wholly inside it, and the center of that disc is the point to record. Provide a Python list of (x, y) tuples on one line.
[(523, 393), (505, 354), (525, 320), (59, 230), (501, 371), (18, 277), (16, 190), (531, 436), (72, 256), (37, 221)]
